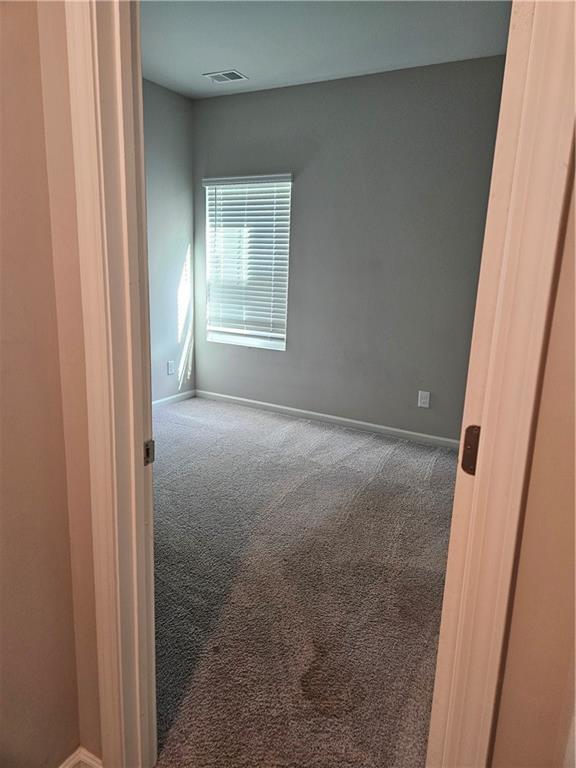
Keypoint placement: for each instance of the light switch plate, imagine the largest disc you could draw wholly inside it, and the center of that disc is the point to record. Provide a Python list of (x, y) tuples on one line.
[(171, 367)]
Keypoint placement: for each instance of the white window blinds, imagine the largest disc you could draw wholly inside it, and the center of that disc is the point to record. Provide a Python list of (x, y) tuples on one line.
[(247, 250)]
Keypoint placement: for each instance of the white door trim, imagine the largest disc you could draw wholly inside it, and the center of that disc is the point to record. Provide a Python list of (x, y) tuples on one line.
[(527, 198), (529, 176), (105, 102), (81, 758)]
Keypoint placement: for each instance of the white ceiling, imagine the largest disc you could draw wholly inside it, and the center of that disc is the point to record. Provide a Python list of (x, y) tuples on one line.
[(289, 43)]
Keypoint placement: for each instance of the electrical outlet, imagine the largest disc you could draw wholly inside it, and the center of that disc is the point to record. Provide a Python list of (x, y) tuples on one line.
[(171, 367), (423, 399)]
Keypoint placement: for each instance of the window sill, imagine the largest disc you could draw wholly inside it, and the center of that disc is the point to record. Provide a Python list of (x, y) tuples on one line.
[(241, 340)]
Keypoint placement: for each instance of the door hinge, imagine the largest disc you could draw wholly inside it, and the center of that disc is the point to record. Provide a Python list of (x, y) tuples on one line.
[(149, 452), (470, 450)]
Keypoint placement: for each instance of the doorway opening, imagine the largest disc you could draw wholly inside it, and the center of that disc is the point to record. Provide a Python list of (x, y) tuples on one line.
[(315, 231)]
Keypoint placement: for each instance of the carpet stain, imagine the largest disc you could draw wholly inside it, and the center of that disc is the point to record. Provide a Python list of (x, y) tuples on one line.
[(328, 686)]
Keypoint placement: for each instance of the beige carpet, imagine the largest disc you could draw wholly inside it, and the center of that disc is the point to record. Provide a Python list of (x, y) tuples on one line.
[(299, 575)]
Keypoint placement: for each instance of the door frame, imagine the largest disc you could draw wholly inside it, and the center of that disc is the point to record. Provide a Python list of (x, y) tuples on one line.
[(105, 87), (529, 178), (528, 194)]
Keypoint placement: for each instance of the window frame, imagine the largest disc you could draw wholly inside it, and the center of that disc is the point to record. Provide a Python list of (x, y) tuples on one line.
[(238, 336)]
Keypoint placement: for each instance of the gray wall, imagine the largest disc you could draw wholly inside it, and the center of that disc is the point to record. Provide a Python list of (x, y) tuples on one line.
[(168, 144), (391, 179)]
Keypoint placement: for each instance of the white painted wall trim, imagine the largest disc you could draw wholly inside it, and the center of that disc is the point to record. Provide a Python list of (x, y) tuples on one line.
[(105, 92), (81, 758), (176, 398), (402, 434)]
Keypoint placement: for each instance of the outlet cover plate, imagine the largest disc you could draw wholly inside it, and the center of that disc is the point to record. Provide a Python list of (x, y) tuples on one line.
[(423, 399)]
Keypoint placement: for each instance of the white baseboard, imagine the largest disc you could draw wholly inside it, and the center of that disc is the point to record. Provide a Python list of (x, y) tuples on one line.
[(402, 434), (81, 758), (175, 398)]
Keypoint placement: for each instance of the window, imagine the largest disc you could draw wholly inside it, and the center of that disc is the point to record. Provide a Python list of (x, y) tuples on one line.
[(247, 247)]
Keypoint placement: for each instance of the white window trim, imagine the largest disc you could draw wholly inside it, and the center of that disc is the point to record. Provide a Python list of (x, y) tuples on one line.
[(240, 337), (222, 181)]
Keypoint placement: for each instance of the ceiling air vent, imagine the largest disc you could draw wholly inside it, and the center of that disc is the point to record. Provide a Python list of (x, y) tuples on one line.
[(227, 76)]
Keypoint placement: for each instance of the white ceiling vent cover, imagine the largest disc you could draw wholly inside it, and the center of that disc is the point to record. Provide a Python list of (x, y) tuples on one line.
[(226, 76)]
